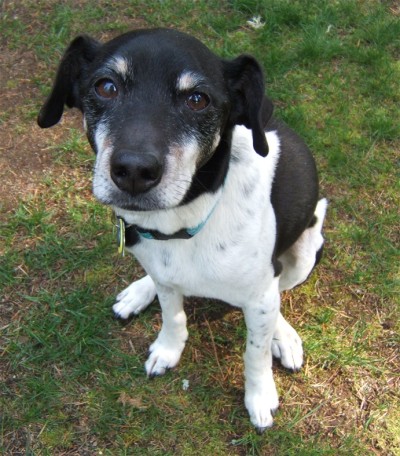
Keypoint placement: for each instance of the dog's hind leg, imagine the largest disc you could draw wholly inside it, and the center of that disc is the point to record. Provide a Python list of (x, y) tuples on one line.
[(135, 298), (287, 345), (299, 260)]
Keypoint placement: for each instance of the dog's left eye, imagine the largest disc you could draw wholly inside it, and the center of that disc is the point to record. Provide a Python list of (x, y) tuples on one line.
[(197, 101), (106, 88)]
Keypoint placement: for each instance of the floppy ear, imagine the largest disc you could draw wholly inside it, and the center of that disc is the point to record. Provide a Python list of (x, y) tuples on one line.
[(250, 107), (65, 90)]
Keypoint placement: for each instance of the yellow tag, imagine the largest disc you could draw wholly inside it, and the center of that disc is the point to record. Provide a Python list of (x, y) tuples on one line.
[(121, 235)]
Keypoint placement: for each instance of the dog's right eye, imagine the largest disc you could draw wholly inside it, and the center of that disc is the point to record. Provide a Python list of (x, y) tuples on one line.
[(197, 101), (106, 88)]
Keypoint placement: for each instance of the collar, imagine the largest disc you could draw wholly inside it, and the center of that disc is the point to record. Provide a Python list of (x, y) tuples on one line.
[(128, 232)]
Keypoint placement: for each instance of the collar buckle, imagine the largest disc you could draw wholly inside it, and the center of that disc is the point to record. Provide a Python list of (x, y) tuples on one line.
[(120, 225)]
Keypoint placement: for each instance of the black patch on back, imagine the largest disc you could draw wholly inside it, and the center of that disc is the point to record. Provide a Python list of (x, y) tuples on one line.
[(294, 192)]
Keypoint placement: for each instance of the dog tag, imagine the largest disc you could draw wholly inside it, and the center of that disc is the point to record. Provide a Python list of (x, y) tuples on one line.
[(121, 235)]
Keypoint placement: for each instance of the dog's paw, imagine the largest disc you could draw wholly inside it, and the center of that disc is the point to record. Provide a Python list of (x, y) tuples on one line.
[(262, 403), (287, 345), (135, 298), (162, 357)]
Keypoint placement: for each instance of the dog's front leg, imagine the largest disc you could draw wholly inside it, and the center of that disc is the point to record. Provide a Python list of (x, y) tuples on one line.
[(135, 298), (261, 397), (166, 351)]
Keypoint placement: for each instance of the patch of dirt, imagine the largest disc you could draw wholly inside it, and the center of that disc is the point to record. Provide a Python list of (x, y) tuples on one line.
[(25, 156)]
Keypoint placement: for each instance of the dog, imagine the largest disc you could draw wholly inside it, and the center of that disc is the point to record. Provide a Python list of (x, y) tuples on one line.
[(213, 195)]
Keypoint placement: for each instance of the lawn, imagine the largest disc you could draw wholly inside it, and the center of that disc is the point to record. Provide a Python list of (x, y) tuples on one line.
[(72, 380)]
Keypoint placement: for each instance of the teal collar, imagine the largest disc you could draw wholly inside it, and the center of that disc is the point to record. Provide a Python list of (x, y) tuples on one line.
[(127, 234), (184, 233)]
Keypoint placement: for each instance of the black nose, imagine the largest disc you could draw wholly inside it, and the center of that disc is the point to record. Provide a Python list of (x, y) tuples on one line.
[(135, 172)]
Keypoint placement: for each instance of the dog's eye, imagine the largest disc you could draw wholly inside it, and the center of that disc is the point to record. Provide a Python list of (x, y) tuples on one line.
[(197, 101), (105, 88)]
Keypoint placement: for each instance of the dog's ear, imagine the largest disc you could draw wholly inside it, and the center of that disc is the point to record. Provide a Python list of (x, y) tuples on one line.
[(249, 106), (65, 91)]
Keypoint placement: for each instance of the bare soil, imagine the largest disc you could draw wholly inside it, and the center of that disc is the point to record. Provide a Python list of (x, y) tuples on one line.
[(25, 149)]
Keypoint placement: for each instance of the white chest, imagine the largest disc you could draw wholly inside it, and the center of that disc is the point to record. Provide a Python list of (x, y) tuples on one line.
[(223, 261), (230, 258)]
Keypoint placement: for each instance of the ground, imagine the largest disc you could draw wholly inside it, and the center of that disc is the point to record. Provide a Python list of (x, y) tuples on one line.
[(72, 381)]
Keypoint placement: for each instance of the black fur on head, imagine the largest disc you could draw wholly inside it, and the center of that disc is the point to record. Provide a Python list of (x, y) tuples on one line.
[(243, 76)]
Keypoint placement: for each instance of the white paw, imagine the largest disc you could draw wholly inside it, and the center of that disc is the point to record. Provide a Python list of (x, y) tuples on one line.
[(261, 403), (287, 345), (135, 298), (162, 357)]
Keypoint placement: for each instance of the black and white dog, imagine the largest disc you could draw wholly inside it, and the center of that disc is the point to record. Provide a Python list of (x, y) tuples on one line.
[(213, 196)]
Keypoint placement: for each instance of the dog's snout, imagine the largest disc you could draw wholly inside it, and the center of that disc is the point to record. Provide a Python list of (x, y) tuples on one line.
[(135, 173)]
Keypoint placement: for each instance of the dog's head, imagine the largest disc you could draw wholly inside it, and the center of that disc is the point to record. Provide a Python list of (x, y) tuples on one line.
[(159, 109)]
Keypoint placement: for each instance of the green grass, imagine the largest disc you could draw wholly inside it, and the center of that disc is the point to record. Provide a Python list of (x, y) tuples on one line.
[(71, 377)]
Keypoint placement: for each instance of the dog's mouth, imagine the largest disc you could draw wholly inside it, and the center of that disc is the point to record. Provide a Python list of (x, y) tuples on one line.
[(142, 204), (149, 181), (150, 201), (168, 193)]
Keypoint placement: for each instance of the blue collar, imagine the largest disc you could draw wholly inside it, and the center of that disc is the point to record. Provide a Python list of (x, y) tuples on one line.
[(184, 233), (130, 231)]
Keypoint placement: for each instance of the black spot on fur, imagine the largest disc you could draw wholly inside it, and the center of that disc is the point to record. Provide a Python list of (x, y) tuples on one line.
[(166, 258), (313, 221), (221, 247), (277, 265), (318, 255), (248, 188), (235, 160)]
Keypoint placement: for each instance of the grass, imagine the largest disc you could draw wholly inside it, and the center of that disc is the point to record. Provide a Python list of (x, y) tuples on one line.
[(72, 378)]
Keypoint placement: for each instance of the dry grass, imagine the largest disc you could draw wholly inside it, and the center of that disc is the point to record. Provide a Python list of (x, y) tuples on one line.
[(72, 381)]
